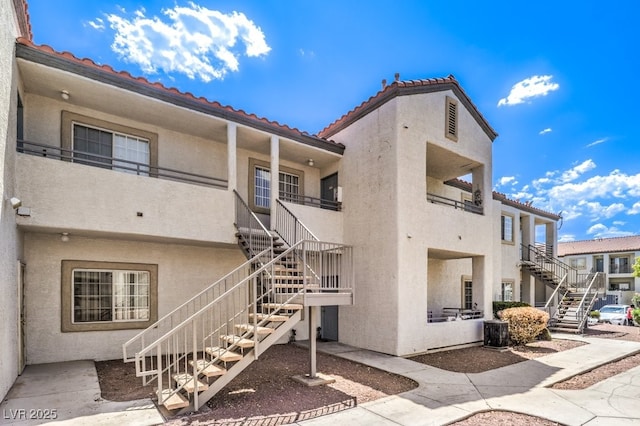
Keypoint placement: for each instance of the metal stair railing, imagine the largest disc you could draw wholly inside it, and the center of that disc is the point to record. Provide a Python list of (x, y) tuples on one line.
[(290, 228), (541, 258), (170, 353), (247, 223), (166, 323)]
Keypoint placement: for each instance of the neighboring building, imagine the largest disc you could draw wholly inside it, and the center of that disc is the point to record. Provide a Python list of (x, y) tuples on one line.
[(613, 256), (126, 181)]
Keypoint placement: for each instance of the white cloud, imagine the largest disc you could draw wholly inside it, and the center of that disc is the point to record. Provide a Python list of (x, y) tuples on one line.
[(545, 131), (635, 209), (537, 85), (602, 231), (583, 199), (193, 40), (564, 238), (575, 172), (97, 24), (506, 180), (597, 142)]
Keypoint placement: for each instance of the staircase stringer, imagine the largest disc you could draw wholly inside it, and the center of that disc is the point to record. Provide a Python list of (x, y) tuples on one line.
[(247, 359)]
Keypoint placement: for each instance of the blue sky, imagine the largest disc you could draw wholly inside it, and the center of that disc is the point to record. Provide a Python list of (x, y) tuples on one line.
[(555, 79)]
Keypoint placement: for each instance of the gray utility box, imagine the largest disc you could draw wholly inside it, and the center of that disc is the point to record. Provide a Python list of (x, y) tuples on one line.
[(496, 333)]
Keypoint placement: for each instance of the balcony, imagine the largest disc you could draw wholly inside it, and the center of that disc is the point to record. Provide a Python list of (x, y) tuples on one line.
[(89, 196), (466, 206), (126, 166), (306, 200)]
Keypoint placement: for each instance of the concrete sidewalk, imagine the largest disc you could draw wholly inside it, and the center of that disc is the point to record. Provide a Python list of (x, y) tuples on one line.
[(68, 393), (444, 397)]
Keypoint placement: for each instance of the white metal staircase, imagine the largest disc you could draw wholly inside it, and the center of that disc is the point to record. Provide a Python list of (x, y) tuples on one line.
[(194, 351), (573, 294)]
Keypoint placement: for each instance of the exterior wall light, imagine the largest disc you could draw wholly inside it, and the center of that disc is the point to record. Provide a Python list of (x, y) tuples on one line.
[(64, 237), (15, 202), (310, 162), (64, 94)]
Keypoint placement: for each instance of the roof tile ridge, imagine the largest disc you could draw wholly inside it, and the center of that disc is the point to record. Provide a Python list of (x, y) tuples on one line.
[(158, 85), (397, 83)]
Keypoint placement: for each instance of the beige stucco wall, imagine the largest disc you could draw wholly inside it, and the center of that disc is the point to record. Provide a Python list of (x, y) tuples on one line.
[(509, 254), (182, 271), (392, 226), (326, 225), (178, 151), (75, 198), (370, 214), (423, 226), (10, 238)]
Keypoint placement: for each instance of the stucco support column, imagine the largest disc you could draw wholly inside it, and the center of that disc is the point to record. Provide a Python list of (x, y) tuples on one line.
[(528, 238), (275, 176), (312, 342), (482, 285), (551, 238), (232, 161)]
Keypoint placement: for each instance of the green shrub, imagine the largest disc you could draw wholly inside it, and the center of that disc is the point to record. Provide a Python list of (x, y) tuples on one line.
[(636, 316), (594, 314), (525, 323), (500, 306)]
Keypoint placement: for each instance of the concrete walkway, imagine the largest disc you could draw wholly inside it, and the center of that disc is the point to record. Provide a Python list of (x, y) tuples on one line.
[(70, 392), (443, 397)]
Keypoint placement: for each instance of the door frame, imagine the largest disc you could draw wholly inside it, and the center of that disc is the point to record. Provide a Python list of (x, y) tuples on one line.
[(22, 352)]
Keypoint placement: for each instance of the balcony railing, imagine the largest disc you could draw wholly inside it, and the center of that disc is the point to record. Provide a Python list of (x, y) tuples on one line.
[(306, 200), (466, 206), (140, 169)]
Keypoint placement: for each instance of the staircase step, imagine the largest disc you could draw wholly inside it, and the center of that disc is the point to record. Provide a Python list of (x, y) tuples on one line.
[(223, 354), (283, 307), (250, 328), (208, 369), (238, 341), (271, 318), (174, 401), (187, 382)]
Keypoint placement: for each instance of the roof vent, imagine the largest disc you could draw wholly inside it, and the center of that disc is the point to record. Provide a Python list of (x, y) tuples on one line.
[(397, 76), (384, 83)]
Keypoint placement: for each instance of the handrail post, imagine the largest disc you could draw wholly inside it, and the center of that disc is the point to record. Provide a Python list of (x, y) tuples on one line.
[(195, 366)]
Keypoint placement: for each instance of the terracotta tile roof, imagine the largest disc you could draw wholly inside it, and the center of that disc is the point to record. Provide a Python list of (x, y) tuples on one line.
[(498, 196), (600, 245), (399, 88), (22, 12), (212, 106)]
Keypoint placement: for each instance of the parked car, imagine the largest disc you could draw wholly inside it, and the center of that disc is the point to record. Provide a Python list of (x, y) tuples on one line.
[(614, 314)]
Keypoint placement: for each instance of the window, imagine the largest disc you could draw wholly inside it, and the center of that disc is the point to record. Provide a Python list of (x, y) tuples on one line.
[(506, 228), (620, 265), (451, 119), (101, 144), (578, 262), (108, 296), (290, 185), (467, 294), (97, 146), (507, 292)]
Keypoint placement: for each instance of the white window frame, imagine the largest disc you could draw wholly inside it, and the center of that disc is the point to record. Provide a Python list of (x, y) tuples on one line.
[(578, 262), (260, 184), (119, 297), (507, 291), (124, 146), (507, 233)]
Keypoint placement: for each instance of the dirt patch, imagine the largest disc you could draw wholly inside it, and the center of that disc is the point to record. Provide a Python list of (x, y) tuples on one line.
[(265, 393), (505, 418), (485, 359)]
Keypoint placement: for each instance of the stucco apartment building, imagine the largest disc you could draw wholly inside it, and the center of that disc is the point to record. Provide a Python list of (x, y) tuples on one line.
[(613, 256), (109, 179)]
